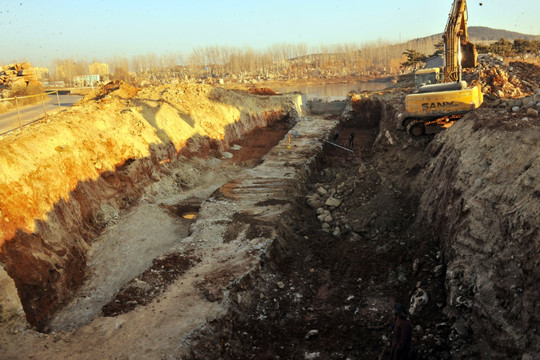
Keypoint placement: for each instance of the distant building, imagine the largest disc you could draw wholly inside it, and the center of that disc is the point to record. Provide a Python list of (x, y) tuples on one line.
[(41, 73), (99, 69), (86, 80), (435, 61)]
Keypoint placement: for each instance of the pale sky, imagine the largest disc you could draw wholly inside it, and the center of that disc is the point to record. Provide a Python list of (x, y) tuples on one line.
[(42, 30)]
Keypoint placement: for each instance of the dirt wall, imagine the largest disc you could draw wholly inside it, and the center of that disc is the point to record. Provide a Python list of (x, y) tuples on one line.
[(61, 177), (479, 205), (482, 200)]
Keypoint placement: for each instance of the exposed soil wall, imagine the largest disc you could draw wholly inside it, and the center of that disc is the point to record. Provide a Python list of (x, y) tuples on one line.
[(61, 177), (478, 204), (482, 200), (352, 253)]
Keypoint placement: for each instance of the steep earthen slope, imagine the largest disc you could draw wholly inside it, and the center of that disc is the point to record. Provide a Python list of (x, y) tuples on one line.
[(482, 200), (479, 201), (59, 177)]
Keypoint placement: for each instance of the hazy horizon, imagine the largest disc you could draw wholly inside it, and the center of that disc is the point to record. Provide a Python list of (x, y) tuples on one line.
[(41, 31)]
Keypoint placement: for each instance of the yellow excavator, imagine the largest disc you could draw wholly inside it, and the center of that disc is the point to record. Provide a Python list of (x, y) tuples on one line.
[(435, 107)]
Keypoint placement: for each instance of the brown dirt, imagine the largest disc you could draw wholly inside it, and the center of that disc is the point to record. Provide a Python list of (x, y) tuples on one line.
[(150, 284), (257, 143), (116, 88), (287, 276), (262, 91)]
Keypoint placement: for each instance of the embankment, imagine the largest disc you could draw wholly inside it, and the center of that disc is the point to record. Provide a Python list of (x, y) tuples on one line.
[(61, 177), (482, 202), (478, 200)]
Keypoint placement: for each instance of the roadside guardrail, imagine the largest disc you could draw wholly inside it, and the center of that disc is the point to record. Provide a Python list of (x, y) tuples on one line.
[(18, 105)]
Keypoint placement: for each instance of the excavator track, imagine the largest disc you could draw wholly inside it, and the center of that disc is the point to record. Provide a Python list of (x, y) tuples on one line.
[(419, 127)]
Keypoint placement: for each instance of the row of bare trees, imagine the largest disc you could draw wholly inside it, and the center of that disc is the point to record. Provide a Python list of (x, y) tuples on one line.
[(279, 61), (301, 61)]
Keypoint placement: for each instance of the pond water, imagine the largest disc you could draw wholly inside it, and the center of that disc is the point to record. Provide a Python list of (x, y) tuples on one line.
[(334, 91)]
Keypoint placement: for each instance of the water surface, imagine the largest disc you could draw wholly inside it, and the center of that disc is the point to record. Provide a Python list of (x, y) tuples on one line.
[(334, 91)]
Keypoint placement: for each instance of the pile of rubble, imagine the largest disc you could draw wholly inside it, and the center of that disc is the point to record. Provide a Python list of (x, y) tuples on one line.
[(500, 81), (514, 87), (528, 73), (16, 78), (262, 91), (116, 88), (327, 201)]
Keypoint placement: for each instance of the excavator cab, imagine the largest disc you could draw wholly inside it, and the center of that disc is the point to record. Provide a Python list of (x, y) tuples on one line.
[(427, 77)]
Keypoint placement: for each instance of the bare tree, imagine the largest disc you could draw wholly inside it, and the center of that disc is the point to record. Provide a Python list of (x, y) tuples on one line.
[(120, 68), (67, 69)]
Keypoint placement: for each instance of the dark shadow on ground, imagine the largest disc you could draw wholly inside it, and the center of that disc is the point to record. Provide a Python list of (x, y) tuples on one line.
[(49, 264)]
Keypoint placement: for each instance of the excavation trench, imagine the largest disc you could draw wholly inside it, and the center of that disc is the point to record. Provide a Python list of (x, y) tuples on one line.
[(298, 247), (152, 239), (122, 156), (345, 257), (178, 233)]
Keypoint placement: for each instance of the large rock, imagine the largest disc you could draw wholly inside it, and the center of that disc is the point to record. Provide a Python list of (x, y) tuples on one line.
[(332, 202), (26, 72), (532, 113), (19, 84)]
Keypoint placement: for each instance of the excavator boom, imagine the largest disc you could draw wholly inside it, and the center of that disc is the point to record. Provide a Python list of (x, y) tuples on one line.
[(458, 51), (436, 106)]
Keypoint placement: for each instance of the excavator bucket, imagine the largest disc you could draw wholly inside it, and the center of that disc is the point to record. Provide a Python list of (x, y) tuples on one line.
[(469, 55)]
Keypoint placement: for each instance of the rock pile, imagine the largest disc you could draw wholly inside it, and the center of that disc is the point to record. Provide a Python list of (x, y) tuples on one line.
[(17, 78), (530, 105), (500, 81), (514, 87), (528, 73), (326, 200)]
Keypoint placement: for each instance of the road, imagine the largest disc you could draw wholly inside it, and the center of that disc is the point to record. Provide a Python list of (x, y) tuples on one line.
[(30, 113)]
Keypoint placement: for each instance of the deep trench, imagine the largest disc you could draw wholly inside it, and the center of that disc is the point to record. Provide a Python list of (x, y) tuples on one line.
[(324, 294), (327, 295)]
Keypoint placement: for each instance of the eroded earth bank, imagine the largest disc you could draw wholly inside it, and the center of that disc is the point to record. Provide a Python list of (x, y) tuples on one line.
[(193, 222)]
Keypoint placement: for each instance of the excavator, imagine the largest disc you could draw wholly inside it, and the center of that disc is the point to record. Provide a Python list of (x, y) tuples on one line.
[(435, 107)]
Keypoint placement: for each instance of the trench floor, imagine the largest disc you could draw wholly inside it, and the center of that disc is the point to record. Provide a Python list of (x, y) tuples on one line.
[(156, 277), (333, 296)]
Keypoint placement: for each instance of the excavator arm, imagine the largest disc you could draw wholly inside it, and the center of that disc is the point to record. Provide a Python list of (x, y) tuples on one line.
[(458, 51), (435, 107)]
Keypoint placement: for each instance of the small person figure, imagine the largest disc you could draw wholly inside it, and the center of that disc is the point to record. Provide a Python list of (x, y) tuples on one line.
[(336, 135), (291, 134), (402, 335), (351, 140)]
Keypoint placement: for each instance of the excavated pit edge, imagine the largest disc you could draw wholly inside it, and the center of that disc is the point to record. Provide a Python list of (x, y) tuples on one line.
[(282, 176)]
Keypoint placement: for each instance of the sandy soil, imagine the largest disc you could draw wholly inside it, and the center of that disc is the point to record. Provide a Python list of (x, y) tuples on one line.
[(299, 249), (136, 238)]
